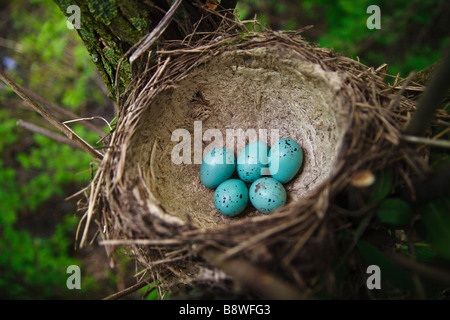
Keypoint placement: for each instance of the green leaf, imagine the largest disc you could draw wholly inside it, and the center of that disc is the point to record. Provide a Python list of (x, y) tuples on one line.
[(395, 212), (436, 218), (382, 186), (389, 270), (424, 252)]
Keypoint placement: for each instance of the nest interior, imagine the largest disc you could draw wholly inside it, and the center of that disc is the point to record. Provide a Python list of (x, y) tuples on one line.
[(265, 93)]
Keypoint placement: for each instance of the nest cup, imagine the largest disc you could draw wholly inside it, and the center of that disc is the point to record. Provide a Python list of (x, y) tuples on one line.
[(244, 95), (266, 86)]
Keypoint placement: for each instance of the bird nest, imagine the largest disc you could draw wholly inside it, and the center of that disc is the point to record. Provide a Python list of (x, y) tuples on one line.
[(153, 205)]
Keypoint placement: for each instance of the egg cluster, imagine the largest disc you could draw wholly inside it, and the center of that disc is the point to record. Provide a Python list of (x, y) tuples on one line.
[(264, 170)]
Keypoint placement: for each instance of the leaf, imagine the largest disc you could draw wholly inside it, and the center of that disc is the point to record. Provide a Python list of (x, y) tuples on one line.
[(395, 212), (382, 186), (424, 252), (436, 218), (389, 270)]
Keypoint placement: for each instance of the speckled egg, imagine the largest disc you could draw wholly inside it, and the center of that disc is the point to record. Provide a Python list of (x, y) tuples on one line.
[(231, 197), (217, 166), (285, 160), (267, 194), (252, 159)]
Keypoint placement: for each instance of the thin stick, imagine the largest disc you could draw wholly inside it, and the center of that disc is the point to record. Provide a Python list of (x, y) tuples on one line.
[(128, 290), (429, 271), (156, 32), (61, 111), (268, 285), (430, 142), (88, 118), (55, 122), (92, 197), (46, 133), (144, 242), (396, 98)]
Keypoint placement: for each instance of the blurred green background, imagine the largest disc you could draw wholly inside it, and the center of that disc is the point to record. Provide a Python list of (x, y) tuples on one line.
[(38, 51)]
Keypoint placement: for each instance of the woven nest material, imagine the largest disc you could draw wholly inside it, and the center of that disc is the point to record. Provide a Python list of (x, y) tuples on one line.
[(344, 116)]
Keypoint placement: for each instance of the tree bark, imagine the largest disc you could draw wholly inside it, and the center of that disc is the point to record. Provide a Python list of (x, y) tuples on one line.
[(109, 28)]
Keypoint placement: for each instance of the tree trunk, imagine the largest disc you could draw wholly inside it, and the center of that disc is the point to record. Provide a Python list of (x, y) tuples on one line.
[(109, 28)]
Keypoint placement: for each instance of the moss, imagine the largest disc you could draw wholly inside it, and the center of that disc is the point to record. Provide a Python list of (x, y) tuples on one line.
[(104, 10), (63, 4), (87, 36), (139, 24), (110, 55), (108, 71)]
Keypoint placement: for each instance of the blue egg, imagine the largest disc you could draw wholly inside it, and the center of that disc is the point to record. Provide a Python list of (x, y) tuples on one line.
[(217, 166), (267, 194), (231, 197), (252, 160), (285, 160)]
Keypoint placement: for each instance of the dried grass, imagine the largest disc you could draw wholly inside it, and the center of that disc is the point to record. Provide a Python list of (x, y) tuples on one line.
[(292, 248)]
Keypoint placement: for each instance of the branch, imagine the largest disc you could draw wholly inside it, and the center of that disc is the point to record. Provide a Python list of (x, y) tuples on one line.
[(46, 133), (61, 111), (430, 99), (245, 273), (128, 290), (430, 142), (50, 118), (431, 272)]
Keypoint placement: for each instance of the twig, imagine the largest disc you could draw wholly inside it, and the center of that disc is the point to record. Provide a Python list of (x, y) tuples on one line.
[(396, 98), (88, 118), (144, 43), (156, 32), (128, 290), (426, 270), (165, 242), (92, 198), (430, 142), (44, 113), (62, 111), (266, 284), (47, 133)]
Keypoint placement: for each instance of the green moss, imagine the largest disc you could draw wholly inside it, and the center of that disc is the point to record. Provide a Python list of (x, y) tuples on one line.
[(110, 55), (139, 24), (63, 4), (109, 72), (86, 35), (104, 10)]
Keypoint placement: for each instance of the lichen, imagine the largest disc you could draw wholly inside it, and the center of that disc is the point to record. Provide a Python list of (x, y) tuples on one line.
[(104, 10), (139, 24)]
